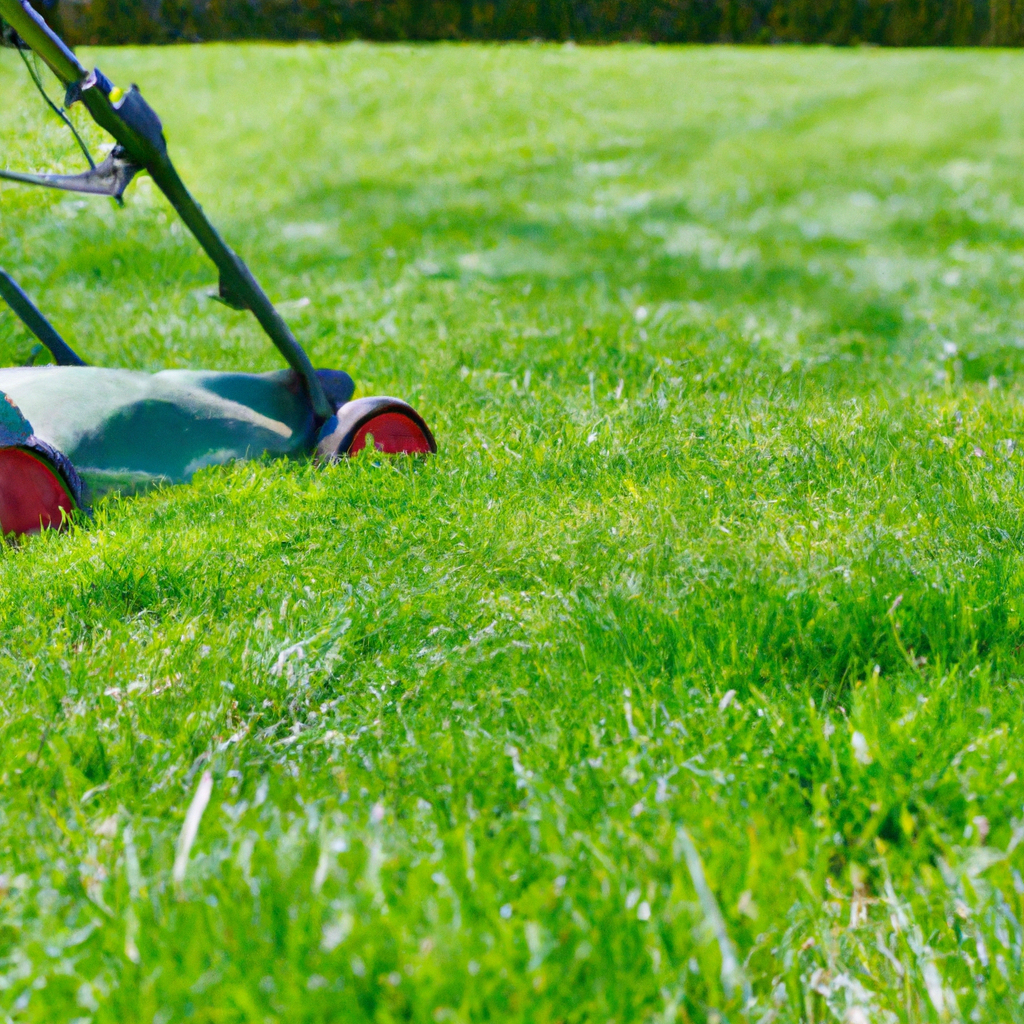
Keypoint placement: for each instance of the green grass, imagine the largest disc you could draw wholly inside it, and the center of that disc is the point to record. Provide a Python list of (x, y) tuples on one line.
[(701, 637)]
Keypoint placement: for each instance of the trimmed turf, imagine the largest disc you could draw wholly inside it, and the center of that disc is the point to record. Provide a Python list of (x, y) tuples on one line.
[(689, 672)]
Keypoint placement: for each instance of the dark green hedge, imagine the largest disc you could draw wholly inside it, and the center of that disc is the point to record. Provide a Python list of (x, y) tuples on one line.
[(841, 22)]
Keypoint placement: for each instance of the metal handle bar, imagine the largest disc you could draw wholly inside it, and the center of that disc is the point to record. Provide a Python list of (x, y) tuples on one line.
[(136, 127)]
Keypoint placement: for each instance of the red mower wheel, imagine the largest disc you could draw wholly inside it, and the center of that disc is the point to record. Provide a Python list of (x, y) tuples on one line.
[(395, 426), (393, 434), (32, 495)]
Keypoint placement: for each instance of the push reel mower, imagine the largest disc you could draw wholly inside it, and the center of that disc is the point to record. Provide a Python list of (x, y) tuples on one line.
[(71, 433)]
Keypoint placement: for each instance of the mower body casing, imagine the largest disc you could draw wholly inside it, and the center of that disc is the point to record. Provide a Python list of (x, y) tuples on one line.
[(126, 430)]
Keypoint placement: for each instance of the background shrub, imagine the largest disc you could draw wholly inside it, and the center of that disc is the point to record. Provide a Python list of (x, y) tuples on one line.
[(839, 22)]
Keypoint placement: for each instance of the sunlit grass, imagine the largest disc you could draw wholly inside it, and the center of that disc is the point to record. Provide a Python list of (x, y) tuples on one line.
[(683, 684)]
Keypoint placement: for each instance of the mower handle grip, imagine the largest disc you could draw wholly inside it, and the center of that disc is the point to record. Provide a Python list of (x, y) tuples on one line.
[(28, 23)]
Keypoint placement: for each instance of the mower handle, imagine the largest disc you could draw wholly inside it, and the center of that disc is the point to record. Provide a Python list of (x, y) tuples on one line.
[(136, 127)]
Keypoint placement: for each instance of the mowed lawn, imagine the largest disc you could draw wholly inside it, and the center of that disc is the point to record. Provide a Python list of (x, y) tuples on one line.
[(684, 684)]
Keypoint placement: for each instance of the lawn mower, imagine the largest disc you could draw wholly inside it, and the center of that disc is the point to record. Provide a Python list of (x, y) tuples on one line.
[(71, 433)]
